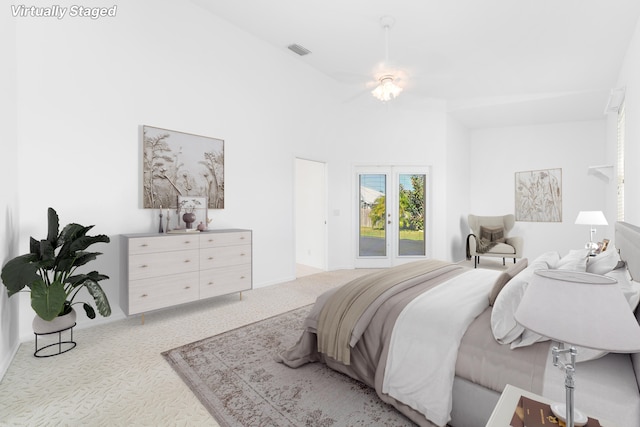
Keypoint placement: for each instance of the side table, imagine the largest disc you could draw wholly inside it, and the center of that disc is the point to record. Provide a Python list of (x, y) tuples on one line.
[(506, 406)]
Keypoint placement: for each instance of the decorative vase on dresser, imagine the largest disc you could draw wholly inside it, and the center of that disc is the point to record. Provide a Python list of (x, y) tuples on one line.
[(163, 270)]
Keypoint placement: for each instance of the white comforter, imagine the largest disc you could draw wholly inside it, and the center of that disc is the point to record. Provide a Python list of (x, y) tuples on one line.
[(424, 344)]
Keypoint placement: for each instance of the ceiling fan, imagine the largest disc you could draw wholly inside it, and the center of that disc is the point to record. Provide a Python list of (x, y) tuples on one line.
[(387, 80)]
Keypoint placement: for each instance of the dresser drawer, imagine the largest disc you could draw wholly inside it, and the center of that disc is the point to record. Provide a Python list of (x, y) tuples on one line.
[(153, 244), (225, 256), (222, 281), (162, 263), (209, 240), (159, 292)]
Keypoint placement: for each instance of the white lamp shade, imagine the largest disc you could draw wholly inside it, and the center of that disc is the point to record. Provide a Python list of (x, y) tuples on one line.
[(591, 218), (582, 309)]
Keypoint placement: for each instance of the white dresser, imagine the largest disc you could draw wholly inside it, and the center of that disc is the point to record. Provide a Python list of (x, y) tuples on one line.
[(163, 270)]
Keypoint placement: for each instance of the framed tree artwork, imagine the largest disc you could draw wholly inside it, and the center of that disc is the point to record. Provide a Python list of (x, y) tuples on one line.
[(177, 164), (539, 195)]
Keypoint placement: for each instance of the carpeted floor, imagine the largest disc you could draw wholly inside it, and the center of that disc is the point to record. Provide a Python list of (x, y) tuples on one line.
[(235, 377), (116, 376)]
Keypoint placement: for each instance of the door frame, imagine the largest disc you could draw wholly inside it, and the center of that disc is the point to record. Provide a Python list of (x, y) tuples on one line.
[(321, 243)]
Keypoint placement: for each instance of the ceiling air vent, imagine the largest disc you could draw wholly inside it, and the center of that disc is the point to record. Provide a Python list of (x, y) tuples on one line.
[(298, 49)]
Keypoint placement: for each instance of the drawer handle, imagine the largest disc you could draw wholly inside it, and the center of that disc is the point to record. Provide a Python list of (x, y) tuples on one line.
[(242, 277), (187, 242), (144, 266), (144, 245), (210, 283), (210, 258), (144, 296), (187, 260), (210, 240), (242, 254), (187, 287), (242, 238)]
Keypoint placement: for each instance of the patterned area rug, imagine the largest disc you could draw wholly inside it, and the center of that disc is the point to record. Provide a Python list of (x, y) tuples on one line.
[(236, 378)]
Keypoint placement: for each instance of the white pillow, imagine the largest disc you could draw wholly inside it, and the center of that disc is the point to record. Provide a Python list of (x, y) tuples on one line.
[(503, 323), (575, 260), (551, 259), (604, 262)]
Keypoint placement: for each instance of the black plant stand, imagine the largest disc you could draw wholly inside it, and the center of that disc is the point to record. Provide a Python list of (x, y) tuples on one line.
[(68, 344)]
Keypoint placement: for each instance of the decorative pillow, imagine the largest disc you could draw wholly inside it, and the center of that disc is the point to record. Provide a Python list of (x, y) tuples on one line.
[(575, 260), (492, 234), (504, 278), (498, 236), (604, 262), (485, 233)]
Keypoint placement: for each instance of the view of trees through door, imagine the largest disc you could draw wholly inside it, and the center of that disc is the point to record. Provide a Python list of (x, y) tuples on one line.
[(392, 206)]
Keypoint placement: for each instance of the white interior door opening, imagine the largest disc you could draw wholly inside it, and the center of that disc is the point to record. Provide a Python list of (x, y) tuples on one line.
[(310, 216)]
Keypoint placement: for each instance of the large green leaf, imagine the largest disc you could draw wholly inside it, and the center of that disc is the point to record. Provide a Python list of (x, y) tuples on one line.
[(53, 224), (79, 279), (47, 301), (83, 242), (73, 231), (34, 246), (79, 259), (102, 303), (47, 255), (20, 272)]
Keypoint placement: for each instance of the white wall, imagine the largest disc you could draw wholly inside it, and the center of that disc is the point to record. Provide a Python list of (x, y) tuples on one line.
[(457, 193), (85, 86), (496, 154), (8, 189)]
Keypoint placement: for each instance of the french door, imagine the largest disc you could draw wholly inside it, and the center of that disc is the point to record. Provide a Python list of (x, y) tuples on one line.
[(392, 220)]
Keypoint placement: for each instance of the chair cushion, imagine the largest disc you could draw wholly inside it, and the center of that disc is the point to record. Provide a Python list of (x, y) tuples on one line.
[(502, 248)]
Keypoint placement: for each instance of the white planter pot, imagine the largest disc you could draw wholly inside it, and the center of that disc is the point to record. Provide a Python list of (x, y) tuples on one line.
[(60, 323)]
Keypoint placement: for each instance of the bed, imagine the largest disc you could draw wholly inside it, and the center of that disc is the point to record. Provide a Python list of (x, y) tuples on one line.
[(438, 341)]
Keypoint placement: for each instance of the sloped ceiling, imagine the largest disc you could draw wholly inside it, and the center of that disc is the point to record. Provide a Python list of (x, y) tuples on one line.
[(495, 62)]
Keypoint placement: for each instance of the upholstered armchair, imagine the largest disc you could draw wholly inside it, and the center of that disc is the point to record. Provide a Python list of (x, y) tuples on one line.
[(489, 237)]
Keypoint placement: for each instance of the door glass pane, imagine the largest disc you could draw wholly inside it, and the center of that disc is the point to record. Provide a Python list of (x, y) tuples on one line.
[(373, 213), (411, 209)]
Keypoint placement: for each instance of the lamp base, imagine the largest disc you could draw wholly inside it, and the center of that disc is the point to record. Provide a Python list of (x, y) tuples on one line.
[(560, 411)]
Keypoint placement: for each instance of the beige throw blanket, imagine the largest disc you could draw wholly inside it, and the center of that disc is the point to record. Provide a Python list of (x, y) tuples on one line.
[(345, 307)]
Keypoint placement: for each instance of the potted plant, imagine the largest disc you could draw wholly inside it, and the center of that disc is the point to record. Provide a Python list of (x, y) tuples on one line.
[(48, 270)]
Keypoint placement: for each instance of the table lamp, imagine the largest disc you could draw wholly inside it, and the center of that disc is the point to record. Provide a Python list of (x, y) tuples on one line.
[(578, 309), (591, 218)]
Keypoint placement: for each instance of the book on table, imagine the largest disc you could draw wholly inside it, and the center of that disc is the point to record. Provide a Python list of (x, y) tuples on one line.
[(531, 413)]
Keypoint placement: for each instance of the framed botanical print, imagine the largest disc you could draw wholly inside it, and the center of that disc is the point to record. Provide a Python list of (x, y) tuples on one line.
[(177, 164), (538, 195)]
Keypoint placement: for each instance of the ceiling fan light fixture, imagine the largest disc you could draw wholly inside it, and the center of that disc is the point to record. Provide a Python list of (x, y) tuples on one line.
[(387, 89)]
